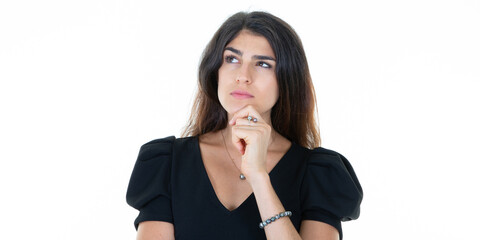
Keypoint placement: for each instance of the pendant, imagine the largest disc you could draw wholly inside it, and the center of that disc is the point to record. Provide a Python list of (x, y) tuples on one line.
[(242, 176)]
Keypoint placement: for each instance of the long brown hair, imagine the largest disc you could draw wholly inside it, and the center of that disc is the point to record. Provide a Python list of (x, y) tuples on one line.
[(293, 115)]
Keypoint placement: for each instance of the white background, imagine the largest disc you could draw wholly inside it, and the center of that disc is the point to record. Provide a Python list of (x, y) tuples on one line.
[(85, 83)]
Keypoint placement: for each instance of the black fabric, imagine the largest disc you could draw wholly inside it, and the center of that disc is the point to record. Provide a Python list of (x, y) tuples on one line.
[(169, 183)]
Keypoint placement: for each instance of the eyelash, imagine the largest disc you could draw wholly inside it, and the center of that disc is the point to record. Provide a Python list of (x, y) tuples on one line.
[(229, 59), (268, 65)]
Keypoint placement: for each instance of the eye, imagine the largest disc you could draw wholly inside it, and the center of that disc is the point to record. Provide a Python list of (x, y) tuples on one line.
[(264, 65), (231, 59)]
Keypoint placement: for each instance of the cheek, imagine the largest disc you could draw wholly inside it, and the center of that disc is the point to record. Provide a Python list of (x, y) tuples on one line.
[(222, 84), (276, 94), (274, 89), (270, 90), (223, 75)]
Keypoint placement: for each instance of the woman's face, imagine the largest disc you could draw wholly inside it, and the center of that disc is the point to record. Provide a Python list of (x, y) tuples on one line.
[(247, 75)]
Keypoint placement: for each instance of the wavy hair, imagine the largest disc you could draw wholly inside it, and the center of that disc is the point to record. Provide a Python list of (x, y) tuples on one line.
[(293, 115)]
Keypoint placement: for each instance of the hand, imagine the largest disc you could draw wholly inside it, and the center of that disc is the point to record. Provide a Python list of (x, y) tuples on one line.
[(251, 139)]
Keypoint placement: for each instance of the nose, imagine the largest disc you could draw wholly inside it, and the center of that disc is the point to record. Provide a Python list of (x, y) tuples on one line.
[(243, 74)]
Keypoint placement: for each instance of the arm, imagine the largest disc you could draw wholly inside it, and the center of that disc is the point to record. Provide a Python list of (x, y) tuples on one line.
[(269, 205), (252, 141), (155, 230), (318, 230)]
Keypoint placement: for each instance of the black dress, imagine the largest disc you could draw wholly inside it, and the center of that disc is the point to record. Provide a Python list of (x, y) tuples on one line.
[(169, 183)]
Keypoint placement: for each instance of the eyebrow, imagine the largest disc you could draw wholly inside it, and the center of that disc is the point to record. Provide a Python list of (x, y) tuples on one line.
[(259, 57)]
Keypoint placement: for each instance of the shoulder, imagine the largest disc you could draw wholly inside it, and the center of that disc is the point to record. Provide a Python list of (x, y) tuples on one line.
[(332, 182), (151, 171), (149, 188), (321, 157), (328, 158), (162, 146), (330, 191), (156, 147)]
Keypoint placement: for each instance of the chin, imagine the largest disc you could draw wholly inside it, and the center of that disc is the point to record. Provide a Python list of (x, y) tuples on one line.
[(234, 109)]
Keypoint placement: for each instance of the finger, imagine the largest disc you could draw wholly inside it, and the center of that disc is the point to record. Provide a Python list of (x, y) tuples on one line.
[(240, 146), (245, 122), (244, 113), (238, 140), (251, 134)]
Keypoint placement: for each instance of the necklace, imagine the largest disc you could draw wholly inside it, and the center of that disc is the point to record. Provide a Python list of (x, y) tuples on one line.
[(242, 177)]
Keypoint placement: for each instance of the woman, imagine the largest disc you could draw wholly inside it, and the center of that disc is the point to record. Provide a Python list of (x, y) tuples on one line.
[(248, 166)]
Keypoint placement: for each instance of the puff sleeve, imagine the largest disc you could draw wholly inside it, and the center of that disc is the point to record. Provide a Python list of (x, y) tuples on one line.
[(330, 191), (149, 187)]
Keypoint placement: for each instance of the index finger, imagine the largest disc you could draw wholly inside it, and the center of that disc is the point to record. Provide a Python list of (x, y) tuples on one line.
[(243, 113)]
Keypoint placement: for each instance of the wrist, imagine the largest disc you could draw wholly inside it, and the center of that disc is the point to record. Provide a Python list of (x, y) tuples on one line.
[(258, 180)]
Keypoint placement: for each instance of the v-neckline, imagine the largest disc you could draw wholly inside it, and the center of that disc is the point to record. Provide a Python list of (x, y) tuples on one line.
[(213, 194)]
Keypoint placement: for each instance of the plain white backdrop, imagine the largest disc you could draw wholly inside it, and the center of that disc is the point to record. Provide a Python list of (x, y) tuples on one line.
[(83, 84)]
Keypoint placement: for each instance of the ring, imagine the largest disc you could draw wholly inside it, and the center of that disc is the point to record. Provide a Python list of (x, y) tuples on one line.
[(250, 118)]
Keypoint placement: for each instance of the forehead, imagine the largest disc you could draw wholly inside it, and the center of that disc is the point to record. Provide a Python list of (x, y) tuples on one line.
[(251, 44)]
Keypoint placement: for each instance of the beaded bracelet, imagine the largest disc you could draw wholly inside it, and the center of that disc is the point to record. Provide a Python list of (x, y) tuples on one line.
[(272, 219)]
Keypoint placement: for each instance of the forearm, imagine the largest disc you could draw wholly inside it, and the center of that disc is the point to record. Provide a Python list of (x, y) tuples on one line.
[(269, 205)]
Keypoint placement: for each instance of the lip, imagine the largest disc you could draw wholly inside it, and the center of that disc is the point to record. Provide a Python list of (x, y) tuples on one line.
[(241, 94)]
